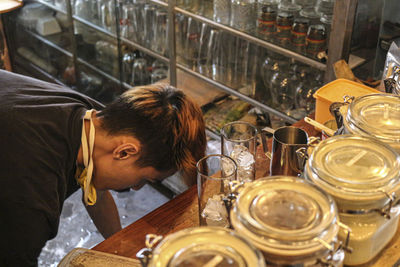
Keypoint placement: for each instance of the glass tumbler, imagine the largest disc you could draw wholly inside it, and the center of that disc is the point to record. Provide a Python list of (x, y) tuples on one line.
[(192, 42), (203, 49), (140, 74), (138, 23), (222, 11), (238, 141), (149, 20), (160, 32), (158, 75), (126, 21), (214, 173), (238, 54), (243, 14)]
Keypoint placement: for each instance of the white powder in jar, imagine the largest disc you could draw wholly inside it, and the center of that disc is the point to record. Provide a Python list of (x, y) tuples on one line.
[(369, 234)]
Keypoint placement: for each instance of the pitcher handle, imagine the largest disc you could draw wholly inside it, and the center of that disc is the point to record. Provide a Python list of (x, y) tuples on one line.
[(264, 132)]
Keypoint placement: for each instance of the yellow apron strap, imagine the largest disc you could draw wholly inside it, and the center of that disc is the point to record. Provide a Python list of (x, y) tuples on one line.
[(85, 178)]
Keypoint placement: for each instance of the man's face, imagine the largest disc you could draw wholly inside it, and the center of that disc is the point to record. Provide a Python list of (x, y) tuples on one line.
[(121, 174)]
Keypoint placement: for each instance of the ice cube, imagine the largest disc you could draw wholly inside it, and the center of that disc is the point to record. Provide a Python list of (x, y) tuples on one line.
[(245, 163), (228, 168), (215, 212)]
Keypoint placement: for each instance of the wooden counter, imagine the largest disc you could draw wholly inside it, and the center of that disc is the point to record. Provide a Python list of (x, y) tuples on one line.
[(182, 212)]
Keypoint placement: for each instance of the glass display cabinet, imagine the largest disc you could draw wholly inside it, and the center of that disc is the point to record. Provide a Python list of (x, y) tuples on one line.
[(270, 54)]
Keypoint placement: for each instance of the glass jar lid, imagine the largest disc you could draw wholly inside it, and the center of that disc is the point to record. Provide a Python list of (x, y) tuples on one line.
[(355, 168), (285, 216), (377, 115), (200, 246)]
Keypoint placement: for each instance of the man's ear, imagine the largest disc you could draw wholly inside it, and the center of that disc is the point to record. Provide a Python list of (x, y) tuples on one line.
[(125, 150)]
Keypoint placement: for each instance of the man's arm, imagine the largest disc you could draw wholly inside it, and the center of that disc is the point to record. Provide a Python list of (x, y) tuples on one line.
[(105, 214)]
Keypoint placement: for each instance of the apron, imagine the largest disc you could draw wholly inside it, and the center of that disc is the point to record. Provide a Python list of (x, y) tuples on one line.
[(84, 177)]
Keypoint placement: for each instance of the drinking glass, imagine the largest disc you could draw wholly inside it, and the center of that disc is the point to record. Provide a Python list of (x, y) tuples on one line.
[(325, 9), (108, 21), (149, 14), (140, 74), (127, 20), (182, 26), (282, 89), (238, 52), (127, 64), (202, 66), (304, 96), (238, 141), (214, 172), (289, 7), (158, 64), (308, 10), (214, 66), (160, 32), (158, 74), (61, 4), (243, 13), (192, 43), (138, 23), (222, 11)]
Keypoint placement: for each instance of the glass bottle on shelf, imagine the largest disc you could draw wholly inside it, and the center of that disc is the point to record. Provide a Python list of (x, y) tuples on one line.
[(308, 10), (282, 92), (325, 9), (284, 22), (266, 17), (316, 40), (222, 11), (299, 34), (289, 7), (243, 14)]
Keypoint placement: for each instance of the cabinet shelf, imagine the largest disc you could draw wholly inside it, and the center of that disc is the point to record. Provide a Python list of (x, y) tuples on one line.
[(270, 46), (94, 26), (160, 3), (231, 91), (97, 70), (145, 50), (31, 67), (48, 43), (52, 7)]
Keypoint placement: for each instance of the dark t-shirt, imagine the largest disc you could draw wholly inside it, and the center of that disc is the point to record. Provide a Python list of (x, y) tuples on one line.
[(40, 131)]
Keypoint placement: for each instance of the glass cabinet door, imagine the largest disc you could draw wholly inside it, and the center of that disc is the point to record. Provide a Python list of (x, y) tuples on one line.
[(42, 41)]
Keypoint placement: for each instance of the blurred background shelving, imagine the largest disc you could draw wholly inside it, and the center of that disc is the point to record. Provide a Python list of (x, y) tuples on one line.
[(104, 47)]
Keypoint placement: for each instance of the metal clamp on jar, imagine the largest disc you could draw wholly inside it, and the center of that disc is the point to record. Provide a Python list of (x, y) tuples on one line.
[(362, 174), (293, 222), (201, 246)]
